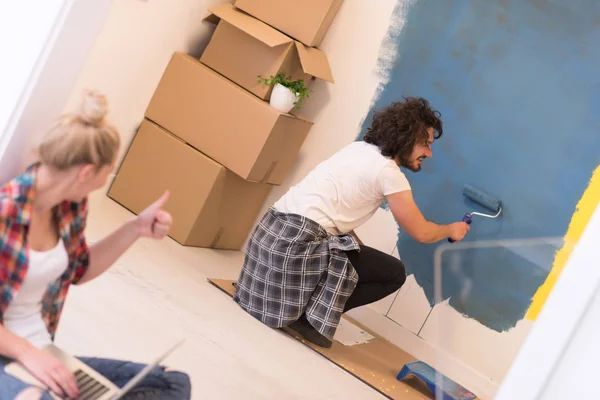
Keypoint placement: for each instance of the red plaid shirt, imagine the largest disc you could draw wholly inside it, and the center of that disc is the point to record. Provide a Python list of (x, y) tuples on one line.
[(16, 203)]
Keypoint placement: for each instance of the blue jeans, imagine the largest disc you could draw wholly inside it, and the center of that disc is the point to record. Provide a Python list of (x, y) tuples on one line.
[(159, 384)]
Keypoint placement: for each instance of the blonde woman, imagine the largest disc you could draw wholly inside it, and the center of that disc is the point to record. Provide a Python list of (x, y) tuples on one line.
[(43, 251)]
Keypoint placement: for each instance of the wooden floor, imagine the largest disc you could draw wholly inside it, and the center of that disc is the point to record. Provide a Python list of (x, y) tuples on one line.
[(376, 362), (158, 292)]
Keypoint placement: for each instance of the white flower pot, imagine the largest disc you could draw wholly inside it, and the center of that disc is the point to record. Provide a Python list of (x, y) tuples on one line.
[(282, 98)]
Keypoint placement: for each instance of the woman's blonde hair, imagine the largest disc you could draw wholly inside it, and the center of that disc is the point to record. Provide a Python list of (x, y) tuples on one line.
[(83, 138)]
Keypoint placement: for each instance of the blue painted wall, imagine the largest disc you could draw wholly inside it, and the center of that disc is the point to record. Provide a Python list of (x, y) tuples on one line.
[(518, 86)]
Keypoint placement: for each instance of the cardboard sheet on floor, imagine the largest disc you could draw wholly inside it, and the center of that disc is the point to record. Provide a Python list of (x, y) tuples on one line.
[(373, 360)]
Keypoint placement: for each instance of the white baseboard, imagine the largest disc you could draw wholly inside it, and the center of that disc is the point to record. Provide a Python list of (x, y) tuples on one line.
[(425, 351)]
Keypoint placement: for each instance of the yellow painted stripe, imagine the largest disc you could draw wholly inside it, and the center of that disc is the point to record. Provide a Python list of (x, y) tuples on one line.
[(585, 208)]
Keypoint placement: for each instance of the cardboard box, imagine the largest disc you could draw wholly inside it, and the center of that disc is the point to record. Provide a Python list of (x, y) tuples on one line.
[(243, 48), (304, 20), (211, 206), (227, 123)]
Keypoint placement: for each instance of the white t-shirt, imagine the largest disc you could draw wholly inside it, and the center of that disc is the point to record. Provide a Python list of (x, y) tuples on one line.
[(344, 191), (23, 317)]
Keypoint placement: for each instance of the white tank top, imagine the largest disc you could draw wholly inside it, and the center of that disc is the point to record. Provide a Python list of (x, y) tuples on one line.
[(23, 316)]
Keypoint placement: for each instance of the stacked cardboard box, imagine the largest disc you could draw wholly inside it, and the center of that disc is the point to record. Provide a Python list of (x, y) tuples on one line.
[(210, 137), (304, 20), (243, 48)]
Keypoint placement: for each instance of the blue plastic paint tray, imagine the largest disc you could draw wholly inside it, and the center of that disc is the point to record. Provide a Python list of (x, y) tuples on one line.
[(451, 390)]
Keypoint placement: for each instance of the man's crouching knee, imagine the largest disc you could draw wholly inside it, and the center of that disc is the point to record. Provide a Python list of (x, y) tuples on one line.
[(400, 276), (399, 281)]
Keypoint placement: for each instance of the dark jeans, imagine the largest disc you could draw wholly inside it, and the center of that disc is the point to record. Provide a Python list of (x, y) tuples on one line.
[(159, 384), (379, 275)]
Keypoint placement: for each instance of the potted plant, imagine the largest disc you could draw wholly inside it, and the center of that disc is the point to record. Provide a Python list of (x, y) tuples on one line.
[(287, 94)]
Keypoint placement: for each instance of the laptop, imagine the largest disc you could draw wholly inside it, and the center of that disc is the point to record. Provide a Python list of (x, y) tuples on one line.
[(92, 385)]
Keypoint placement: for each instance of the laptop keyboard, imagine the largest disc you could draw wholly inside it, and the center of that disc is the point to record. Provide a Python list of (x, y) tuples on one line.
[(89, 388)]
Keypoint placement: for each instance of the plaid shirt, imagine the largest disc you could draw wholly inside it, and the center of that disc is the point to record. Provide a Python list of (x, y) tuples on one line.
[(16, 206), (293, 266)]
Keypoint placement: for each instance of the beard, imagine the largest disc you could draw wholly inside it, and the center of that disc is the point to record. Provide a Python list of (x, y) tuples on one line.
[(413, 165)]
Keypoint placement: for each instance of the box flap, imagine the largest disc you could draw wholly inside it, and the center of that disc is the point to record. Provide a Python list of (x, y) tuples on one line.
[(253, 27), (304, 20), (212, 18), (314, 62)]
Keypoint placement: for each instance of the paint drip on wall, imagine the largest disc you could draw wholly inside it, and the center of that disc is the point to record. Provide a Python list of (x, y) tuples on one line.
[(388, 52), (389, 56), (517, 85)]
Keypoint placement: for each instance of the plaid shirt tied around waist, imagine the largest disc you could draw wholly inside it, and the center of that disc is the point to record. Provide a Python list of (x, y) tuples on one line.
[(292, 266)]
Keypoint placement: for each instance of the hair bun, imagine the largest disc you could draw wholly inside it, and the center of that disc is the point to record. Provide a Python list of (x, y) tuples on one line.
[(94, 107)]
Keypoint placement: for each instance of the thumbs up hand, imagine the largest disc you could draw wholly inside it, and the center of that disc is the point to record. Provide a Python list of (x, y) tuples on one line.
[(155, 222)]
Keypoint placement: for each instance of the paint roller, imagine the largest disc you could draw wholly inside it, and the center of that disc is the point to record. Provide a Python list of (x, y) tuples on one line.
[(483, 199)]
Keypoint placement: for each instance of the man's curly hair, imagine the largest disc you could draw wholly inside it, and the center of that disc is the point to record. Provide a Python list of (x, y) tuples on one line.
[(400, 126)]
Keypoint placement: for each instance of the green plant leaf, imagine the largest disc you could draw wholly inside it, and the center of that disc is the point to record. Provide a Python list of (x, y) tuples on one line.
[(296, 87)]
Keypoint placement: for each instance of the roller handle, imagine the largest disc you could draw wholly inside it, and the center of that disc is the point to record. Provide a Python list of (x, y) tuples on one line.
[(468, 219)]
